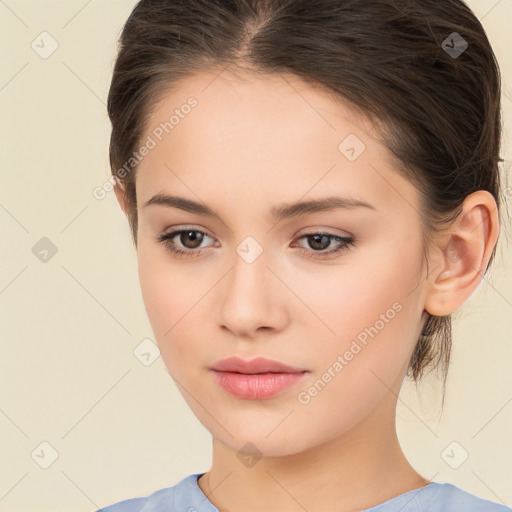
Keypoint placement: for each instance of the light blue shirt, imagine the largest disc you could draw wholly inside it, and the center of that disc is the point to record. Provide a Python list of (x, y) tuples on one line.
[(187, 496)]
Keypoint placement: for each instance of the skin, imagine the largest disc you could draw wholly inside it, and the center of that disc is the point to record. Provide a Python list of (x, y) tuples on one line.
[(252, 143)]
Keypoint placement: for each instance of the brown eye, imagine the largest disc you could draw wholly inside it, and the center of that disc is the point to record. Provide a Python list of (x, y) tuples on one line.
[(319, 242), (189, 239)]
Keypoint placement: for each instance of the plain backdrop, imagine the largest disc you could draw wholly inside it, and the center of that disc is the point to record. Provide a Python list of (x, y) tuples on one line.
[(83, 422)]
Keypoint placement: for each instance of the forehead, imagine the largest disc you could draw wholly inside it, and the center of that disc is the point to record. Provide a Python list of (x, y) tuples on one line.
[(272, 137), (276, 108)]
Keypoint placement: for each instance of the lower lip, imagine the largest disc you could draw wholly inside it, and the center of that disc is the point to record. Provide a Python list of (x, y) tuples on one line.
[(258, 385)]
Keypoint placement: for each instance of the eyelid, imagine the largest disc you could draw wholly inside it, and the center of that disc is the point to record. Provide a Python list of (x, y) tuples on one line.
[(345, 241), (178, 229), (314, 230)]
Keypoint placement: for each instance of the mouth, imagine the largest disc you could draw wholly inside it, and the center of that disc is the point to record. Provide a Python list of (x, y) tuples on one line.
[(257, 386), (259, 365), (256, 373)]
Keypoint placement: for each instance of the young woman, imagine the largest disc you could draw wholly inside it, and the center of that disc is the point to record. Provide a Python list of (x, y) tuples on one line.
[(313, 189)]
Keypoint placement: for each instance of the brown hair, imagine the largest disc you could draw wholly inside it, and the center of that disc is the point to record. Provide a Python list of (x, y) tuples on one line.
[(438, 112)]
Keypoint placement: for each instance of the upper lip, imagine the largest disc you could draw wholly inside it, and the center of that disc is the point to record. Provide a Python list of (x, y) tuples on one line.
[(257, 365)]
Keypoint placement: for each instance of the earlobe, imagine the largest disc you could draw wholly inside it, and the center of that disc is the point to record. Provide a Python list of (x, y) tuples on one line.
[(464, 255)]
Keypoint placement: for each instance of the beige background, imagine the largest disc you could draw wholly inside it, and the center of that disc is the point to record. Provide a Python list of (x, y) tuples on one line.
[(69, 325)]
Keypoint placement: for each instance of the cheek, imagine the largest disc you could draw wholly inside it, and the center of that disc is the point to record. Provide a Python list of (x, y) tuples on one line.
[(175, 297), (169, 294), (374, 320), (352, 297), (366, 307)]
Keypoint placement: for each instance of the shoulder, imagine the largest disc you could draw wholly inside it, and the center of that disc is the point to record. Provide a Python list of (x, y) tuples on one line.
[(450, 498), (177, 497), (139, 504)]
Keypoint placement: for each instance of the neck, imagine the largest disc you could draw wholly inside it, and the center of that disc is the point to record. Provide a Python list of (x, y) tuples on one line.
[(355, 471)]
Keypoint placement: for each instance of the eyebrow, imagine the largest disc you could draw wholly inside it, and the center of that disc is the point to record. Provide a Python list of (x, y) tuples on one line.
[(281, 212)]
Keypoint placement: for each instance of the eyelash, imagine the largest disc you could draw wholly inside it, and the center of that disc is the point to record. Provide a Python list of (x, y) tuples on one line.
[(166, 239)]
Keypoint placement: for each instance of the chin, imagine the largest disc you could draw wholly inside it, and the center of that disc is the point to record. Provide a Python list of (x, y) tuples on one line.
[(259, 444)]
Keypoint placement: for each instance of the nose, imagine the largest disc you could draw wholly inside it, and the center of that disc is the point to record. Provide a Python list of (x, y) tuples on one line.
[(252, 298)]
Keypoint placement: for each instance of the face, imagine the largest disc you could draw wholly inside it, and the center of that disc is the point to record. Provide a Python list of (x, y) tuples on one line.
[(335, 291)]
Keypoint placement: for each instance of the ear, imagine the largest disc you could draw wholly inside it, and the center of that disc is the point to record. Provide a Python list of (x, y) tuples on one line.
[(463, 255), (121, 197)]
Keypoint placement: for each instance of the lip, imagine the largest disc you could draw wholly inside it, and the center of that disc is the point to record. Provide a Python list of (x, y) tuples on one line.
[(253, 366), (256, 386), (256, 379)]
